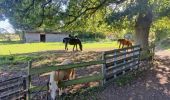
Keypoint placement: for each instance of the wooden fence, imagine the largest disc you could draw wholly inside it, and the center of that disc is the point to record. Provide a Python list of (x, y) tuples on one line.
[(120, 61), (114, 63), (35, 71), (12, 89)]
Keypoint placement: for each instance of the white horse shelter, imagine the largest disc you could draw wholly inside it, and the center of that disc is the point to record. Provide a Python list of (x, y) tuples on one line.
[(44, 36)]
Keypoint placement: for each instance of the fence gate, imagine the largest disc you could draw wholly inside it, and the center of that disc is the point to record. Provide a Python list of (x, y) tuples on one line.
[(120, 61), (13, 89)]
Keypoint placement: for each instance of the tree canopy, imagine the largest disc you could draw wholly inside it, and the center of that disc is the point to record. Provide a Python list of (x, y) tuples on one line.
[(73, 13), (85, 15)]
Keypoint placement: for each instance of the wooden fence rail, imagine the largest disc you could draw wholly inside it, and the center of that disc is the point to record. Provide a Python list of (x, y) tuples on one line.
[(41, 70), (119, 61), (14, 88), (114, 63)]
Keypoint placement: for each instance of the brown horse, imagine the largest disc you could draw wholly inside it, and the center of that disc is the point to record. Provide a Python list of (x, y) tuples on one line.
[(124, 42), (57, 76)]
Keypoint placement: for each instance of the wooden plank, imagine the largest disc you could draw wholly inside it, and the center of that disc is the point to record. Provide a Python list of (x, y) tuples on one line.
[(37, 88), (11, 85), (4, 95), (103, 68), (63, 67), (121, 54), (86, 79), (11, 79), (116, 50), (120, 70), (121, 60), (120, 65)]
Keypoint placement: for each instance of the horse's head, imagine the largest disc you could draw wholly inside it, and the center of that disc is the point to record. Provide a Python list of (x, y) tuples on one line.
[(80, 44), (53, 88)]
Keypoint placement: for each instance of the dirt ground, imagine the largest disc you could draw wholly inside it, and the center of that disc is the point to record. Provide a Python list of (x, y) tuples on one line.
[(154, 85)]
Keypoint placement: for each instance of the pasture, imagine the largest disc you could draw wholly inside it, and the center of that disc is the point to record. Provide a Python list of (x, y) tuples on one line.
[(52, 54), (46, 54), (22, 48)]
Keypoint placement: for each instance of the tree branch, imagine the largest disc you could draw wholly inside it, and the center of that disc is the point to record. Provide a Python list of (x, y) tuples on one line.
[(43, 12), (94, 9)]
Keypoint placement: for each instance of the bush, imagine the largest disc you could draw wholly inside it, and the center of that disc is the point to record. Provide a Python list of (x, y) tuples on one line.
[(162, 34), (86, 36)]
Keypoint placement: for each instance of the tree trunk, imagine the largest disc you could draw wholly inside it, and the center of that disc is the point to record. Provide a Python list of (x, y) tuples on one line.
[(142, 28)]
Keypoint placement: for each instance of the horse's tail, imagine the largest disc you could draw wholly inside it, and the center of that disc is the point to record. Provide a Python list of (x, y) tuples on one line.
[(80, 45)]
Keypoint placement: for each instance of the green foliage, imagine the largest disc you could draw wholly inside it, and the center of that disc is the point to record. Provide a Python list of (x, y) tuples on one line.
[(86, 36), (161, 28), (97, 16), (162, 34), (165, 43)]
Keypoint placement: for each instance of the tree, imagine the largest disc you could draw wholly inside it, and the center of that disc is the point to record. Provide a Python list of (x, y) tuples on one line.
[(141, 13), (71, 14)]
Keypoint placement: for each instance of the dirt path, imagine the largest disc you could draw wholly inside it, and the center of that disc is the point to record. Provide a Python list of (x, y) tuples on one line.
[(154, 85)]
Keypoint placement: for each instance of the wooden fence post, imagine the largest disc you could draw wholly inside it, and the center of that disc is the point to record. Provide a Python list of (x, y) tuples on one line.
[(29, 80), (103, 68), (124, 60)]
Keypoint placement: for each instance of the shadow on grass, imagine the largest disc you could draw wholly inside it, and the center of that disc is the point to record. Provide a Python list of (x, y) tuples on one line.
[(10, 42), (4, 59)]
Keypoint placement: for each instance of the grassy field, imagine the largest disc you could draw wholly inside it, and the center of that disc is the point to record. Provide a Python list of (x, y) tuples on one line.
[(21, 48)]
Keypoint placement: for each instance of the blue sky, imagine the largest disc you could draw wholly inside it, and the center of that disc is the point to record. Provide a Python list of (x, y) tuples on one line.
[(6, 25)]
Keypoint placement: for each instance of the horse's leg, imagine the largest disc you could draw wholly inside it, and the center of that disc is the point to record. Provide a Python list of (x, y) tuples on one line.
[(66, 48), (119, 45), (60, 91), (72, 75), (73, 47), (76, 47)]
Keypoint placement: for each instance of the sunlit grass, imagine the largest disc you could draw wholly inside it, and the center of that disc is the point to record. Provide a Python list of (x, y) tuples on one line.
[(100, 45), (28, 48), (20, 48)]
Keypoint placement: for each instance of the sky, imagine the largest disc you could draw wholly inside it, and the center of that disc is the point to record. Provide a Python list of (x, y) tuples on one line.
[(6, 25)]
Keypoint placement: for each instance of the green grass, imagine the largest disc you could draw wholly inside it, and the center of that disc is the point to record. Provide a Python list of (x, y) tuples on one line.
[(21, 48)]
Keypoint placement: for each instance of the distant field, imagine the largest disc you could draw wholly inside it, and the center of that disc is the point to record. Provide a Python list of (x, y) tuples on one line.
[(19, 48)]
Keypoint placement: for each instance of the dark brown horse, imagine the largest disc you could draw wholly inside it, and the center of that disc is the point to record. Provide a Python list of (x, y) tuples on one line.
[(124, 42), (72, 41)]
